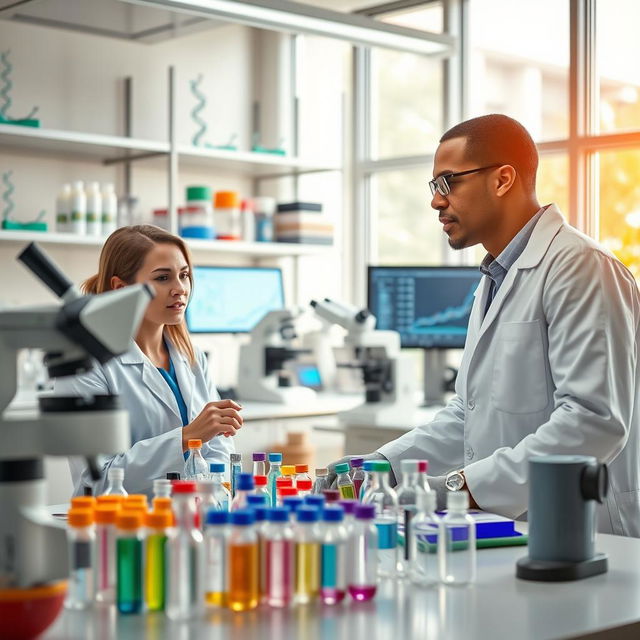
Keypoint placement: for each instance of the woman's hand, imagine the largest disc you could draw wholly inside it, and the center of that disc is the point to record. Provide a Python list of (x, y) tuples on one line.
[(220, 417)]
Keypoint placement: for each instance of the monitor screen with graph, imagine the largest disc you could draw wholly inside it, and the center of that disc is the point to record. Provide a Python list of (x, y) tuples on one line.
[(428, 306), (232, 299)]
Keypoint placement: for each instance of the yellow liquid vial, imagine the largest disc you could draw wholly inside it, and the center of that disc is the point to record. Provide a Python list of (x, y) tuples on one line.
[(216, 598), (243, 577), (307, 583)]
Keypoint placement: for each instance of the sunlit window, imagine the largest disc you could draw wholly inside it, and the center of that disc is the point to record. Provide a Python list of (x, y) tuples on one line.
[(519, 62), (406, 104), (408, 230), (618, 51), (619, 206), (553, 181)]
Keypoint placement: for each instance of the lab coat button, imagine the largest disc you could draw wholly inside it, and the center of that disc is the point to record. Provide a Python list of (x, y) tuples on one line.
[(471, 405), (469, 452)]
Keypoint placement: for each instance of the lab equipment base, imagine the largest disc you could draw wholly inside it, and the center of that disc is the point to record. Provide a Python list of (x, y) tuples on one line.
[(546, 571)]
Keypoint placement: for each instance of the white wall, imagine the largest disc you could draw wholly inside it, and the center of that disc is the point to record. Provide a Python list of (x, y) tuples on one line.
[(77, 81)]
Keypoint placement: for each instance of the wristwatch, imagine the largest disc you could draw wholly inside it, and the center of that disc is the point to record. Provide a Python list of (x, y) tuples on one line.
[(455, 481)]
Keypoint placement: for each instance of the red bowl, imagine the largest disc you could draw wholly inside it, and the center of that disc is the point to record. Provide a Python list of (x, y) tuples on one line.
[(26, 613)]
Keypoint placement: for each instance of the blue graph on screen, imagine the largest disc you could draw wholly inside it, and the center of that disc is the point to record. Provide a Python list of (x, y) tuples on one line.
[(428, 306), (233, 299), (441, 320)]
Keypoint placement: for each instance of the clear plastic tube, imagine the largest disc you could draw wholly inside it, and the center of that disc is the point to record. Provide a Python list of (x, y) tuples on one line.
[(235, 468), (81, 538), (129, 562), (185, 596), (363, 549), (216, 536), (457, 542), (307, 555), (333, 580), (275, 461), (158, 523), (105, 558), (279, 558), (259, 467), (425, 526), (408, 494), (243, 562)]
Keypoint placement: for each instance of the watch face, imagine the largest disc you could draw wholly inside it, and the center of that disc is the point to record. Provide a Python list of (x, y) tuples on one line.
[(454, 481)]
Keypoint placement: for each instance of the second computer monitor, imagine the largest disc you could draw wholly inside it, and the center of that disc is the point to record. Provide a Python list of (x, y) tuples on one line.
[(233, 299), (428, 306)]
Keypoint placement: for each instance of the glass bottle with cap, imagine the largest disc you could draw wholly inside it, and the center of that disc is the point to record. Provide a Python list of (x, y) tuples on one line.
[(261, 489), (357, 473), (105, 565), (279, 558), (259, 458), (206, 500), (185, 593), (115, 478), (195, 466), (321, 482), (364, 566), (161, 488), (408, 494), (129, 577), (244, 487), (344, 483), (333, 552), (157, 524), (366, 483), (81, 539), (216, 536), (425, 527), (235, 468), (275, 460), (385, 500), (220, 492), (243, 562), (457, 541), (307, 555)]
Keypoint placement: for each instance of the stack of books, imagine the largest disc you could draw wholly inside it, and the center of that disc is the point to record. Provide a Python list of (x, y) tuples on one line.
[(302, 222)]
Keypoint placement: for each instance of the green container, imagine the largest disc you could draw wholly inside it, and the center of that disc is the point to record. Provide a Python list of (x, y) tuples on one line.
[(199, 193)]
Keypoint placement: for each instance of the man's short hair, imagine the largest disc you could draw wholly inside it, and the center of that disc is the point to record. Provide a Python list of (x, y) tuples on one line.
[(497, 138)]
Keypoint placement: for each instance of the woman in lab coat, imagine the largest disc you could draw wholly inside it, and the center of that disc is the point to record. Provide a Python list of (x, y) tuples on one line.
[(163, 379)]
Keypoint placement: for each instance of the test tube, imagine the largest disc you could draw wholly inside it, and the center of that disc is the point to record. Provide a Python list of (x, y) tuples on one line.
[(129, 561), (243, 562), (259, 459), (307, 555), (105, 579), (216, 535), (81, 537), (333, 582), (364, 553), (185, 597), (279, 558), (235, 468), (158, 523)]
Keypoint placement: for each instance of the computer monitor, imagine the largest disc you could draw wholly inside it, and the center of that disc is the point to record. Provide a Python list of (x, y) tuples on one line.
[(232, 299), (428, 306)]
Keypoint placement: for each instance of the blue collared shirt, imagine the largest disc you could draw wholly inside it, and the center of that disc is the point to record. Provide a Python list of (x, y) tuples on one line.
[(496, 268)]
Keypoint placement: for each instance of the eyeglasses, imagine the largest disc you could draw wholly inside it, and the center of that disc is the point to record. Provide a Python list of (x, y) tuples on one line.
[(441, 183)]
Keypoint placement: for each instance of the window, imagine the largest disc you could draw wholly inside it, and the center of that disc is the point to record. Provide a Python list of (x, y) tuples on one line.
[(519, 63), (617, 51), (408, 231), (553, 180), (406, 104), (619, 205)]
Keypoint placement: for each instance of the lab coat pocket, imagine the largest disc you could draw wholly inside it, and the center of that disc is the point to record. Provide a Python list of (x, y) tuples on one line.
[(519, 379)]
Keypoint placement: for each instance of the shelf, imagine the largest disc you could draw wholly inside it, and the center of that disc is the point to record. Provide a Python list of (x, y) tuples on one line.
[(260, 248), (109, 149), (76, 145), (249, 162), (214, 246)]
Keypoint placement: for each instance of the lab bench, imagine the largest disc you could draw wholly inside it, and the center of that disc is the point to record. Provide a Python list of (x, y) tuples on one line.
[(498, 606)]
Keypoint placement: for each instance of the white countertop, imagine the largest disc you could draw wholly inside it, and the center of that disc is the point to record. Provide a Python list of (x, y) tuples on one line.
[(498, 606)]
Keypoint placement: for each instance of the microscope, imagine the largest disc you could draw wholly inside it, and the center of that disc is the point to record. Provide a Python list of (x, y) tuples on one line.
[(387, 373), (33, 547), (262, 376)]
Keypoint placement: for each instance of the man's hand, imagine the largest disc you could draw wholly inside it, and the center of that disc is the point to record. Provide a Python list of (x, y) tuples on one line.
[(331, 477)]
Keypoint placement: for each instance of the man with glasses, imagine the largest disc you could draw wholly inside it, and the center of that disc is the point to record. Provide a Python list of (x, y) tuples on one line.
[(550, 364)]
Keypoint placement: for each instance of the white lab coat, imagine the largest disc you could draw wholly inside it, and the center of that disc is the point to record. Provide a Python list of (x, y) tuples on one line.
[(154, 416), (551, 369)]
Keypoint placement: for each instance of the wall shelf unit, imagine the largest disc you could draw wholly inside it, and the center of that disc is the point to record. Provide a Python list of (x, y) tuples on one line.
[(257, 249)]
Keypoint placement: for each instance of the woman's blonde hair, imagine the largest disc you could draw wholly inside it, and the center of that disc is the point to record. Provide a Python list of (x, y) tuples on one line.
[(123, 254)]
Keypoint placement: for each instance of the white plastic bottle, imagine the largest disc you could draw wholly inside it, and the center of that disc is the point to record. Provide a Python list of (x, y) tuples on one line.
[(94, 209), (457, 542), (109, 209), (78, 223), (63, 209)]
